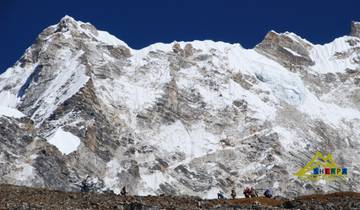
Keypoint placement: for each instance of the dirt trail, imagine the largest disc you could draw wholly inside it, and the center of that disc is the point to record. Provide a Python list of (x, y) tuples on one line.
[(16, 197)]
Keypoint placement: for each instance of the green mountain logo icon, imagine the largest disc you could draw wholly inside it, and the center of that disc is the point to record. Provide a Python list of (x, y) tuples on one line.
[(317, 161)]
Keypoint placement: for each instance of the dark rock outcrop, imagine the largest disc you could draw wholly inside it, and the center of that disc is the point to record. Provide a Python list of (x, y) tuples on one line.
[(355, 29), (286, 48)]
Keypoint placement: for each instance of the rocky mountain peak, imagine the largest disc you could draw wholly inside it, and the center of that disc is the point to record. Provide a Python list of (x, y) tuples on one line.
[(181, 118), (66, 22), (67, 18), (355, 29), (287, 48), (68, 30)]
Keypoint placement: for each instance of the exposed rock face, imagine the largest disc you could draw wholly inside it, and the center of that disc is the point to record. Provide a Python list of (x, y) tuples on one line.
[(181, 118), (27, 159), (288, 49), (355, 29)]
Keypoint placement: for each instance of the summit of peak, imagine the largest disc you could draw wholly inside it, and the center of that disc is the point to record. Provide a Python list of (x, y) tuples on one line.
[(67, 18), (285, 38), (273, 34), (66, 23)]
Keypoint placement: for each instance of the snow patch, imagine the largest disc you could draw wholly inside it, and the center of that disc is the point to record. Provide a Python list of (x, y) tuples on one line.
[(8, 99), (292, 52), (66, 142), (10, 112)]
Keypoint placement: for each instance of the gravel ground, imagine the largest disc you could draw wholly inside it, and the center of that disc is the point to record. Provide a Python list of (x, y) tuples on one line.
[(16, 197)]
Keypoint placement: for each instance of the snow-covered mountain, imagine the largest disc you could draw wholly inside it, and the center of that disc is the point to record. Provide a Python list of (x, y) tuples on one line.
[(180, 118)]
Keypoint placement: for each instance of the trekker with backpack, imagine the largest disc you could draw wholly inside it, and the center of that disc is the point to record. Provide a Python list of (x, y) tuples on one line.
[(247, 192), (220, 195), (123, 191), (268, 193), (233, 193)]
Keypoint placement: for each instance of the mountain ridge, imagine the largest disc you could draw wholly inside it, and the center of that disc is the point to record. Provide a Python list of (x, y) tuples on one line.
[(354, 28)]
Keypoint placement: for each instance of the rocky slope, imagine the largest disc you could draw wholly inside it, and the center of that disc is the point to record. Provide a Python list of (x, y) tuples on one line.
[(180, 118)]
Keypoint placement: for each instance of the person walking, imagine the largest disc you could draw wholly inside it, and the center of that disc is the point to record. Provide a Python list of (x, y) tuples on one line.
[(233, 193)]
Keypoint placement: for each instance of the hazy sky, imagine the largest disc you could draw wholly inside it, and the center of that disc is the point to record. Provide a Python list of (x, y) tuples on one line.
[(140, 23)]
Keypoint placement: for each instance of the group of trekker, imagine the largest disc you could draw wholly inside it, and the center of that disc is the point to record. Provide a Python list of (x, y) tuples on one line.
[(248, 192), (87, 185)]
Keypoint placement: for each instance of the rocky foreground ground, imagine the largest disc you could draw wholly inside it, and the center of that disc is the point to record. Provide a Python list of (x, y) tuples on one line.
[(15, 197)]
